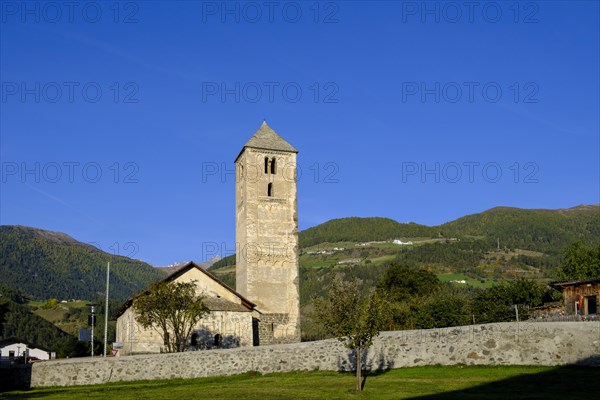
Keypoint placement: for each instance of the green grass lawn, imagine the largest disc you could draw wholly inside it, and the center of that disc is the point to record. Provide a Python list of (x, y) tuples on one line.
[(512, 382)]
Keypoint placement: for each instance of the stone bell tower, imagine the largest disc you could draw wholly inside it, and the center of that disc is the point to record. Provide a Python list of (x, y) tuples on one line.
[(267, 235)]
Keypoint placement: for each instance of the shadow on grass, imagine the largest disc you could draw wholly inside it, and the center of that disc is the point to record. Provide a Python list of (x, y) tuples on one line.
[(565, 382), (80, 391), (369, 374), (370, 368), (576, 381)]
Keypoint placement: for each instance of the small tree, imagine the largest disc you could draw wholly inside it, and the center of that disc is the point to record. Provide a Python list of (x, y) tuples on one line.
[(352, 316), (172, 309), (401, 282), (580, 261), (51, 304)]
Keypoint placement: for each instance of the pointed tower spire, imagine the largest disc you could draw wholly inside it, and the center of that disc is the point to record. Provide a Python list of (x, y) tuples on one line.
[(266, 138)]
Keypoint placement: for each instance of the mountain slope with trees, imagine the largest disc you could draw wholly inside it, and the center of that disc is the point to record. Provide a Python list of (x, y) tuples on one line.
[(355, 229), (497, 243), (19, 322), (532, 229), (547, 231), (44, 264)]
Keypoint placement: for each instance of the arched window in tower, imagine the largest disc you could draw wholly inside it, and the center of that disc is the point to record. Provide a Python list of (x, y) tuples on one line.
[(266, 165), (270, 189), (273, 168)]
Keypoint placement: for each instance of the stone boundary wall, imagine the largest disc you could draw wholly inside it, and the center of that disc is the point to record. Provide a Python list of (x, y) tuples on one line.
[(551, 343)]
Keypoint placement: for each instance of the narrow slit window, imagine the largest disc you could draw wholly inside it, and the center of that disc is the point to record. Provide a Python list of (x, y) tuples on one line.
[(266, 165), (270, 190), (273, 168)]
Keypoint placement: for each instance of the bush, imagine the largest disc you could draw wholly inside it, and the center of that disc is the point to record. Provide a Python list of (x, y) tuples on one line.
[(442, 309), (51, 304)]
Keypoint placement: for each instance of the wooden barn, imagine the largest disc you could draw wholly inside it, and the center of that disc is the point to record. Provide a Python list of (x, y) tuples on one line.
[(580, 297)]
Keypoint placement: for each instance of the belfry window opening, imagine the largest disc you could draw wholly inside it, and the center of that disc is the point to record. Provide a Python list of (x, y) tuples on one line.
[(266, 165), (273, 168)]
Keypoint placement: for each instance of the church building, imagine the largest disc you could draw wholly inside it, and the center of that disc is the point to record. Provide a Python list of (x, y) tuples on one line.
[(265, 309)]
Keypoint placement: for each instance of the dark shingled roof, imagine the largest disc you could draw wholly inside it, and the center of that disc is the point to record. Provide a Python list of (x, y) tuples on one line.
[(246, 305), (575, 283), (267, 139), (220, 304)]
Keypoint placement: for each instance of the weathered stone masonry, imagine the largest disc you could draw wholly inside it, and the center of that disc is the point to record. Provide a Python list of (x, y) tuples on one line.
[(267, 235), (552, 343)]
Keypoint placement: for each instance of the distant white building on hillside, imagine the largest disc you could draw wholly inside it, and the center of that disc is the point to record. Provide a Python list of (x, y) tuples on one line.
[(12, 348)]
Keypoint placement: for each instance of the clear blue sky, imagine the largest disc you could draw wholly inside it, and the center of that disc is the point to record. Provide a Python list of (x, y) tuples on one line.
[(398, 110)]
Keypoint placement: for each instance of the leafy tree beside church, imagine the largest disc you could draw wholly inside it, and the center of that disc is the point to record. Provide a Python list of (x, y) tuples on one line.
[(172, 309)]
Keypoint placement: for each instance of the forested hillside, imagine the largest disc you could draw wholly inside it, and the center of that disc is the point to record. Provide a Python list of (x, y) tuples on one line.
[(546, 231), (487, 245), (501, 243), (486, 249), (356, 229), (43, 264), (16, 320), (538, 230)]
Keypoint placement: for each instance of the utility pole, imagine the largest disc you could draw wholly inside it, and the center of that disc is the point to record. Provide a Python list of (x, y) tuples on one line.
[(106, 307), (93, 323)]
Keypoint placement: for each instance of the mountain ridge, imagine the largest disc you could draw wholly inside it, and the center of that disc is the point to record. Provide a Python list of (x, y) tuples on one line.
[(485, 222), (44, 264)]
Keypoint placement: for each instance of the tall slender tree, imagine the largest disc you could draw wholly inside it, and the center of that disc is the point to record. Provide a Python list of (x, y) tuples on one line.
[(353, 316)]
